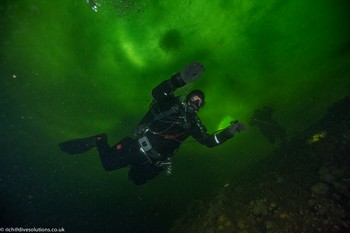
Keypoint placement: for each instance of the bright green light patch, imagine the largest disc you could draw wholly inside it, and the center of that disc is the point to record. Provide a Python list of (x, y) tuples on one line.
[(131, 53), (225, 122)]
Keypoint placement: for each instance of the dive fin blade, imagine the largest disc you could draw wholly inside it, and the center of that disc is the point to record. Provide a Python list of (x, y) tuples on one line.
[(77, 146)]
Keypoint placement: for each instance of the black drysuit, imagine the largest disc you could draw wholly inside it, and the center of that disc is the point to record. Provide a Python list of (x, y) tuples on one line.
[(164, 127)]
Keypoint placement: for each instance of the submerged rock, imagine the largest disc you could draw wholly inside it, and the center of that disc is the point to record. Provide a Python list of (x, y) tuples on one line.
[(320, 189), (313, 197)]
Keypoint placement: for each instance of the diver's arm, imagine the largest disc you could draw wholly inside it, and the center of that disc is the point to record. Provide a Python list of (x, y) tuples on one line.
[(187, 75), (167, 87), (215, 139), (212, 140)]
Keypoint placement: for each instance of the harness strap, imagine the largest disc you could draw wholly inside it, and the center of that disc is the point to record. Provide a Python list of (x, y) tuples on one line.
[(150, 153), (161, 115)]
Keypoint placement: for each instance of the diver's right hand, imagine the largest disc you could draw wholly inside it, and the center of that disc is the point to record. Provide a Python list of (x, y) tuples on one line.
[(234, 128), (192, 72)]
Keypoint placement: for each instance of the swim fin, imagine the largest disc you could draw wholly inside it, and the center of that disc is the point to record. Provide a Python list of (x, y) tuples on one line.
[(77, 146)]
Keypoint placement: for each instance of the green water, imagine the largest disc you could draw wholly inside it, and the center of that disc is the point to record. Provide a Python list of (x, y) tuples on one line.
[(71, 70)]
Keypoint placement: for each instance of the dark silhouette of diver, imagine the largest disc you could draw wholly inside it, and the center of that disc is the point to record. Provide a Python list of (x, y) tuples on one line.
[(168, 122), (270, 128)]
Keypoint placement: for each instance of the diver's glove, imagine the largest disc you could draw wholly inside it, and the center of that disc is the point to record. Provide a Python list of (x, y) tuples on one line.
[(234, 128), (192, 72)]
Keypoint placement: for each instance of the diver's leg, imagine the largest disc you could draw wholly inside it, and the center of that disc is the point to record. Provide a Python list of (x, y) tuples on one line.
[(139, 174), (113, 157)]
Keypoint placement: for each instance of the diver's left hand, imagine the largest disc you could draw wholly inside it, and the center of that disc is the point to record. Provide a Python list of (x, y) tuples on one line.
[(192, 72), (235, 127)]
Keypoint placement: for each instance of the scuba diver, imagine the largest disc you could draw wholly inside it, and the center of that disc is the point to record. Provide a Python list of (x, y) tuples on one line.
[(270, 128), (168, 122)]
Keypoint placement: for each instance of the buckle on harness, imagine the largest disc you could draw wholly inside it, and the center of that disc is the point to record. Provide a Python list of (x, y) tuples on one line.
[(147, 149), (145, 144)]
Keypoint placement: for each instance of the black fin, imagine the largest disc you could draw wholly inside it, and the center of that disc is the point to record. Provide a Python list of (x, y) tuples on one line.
[(77, 146)]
